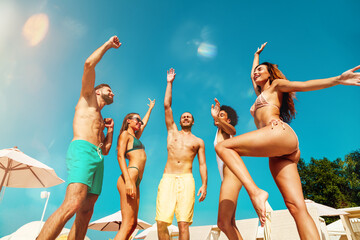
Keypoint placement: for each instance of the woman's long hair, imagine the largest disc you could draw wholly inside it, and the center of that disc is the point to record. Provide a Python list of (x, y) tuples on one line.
[(287, 109), (125, 124)]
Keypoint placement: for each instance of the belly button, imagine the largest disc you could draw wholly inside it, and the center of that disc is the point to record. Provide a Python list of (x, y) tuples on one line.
[(178, 161)]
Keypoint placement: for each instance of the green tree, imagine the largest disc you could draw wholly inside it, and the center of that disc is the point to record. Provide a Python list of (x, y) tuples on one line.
[(352, 175), (323, 181), (332, 183)]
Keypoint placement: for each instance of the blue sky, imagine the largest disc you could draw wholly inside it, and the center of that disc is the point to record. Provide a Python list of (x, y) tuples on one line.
[(40, 85)]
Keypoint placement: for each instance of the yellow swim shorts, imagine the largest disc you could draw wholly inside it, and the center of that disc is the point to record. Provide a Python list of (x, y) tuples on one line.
[(176, 193)]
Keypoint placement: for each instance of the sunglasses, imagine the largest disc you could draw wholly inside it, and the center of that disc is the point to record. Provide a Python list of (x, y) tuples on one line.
[(137, 120)]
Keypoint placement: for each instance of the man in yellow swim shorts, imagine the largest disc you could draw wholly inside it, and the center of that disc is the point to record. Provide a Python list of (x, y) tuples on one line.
[(176, 192), (85, 160)]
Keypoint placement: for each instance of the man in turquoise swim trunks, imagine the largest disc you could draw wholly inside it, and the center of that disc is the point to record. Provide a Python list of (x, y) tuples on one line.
[(85, 154)]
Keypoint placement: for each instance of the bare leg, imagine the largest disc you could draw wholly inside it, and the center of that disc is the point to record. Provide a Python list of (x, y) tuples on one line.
[(264, 142), (229, 193), (83, 216), (129, 210), (75, 195), (287, 179), (184, 230), (163, 232)]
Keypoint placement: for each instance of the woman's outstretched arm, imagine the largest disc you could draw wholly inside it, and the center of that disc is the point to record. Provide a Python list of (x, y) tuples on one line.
[(350, 77), (255, 64), (145, 118)]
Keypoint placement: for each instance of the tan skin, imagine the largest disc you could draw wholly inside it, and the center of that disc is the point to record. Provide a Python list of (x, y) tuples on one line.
[(231, 185), (88, 125), (129, 193), (182, 148), (268, 141)]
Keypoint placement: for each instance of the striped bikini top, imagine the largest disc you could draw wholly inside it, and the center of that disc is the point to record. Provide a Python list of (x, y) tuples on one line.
[(259, 103)]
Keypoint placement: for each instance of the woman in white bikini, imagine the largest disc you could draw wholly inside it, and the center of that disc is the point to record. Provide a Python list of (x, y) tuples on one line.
[(273, 109), (226, 118), (130, 147)]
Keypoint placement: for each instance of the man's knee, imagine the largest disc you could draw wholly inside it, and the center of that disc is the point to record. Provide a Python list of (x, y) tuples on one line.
[(87, 207), (75, 202), (76, 194), (71, 206), (183, 226), (161, 226), (162, 230), (87, 212)]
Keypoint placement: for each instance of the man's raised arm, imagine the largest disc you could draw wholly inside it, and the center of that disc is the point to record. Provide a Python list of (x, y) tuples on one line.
[(169, 119), (88, 79)]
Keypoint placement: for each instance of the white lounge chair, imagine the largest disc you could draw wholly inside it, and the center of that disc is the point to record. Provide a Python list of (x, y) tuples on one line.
[(352, 229), (283, 225), (200, 232), (152, 236)]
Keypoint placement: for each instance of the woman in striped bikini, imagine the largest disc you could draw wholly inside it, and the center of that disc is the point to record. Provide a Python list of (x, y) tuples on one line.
[(130, 147), (273, 109)]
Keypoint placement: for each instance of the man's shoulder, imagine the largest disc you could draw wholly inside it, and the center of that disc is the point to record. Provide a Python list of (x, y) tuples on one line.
[(87, 102), (174, 131), (200, 141), (197, 139)]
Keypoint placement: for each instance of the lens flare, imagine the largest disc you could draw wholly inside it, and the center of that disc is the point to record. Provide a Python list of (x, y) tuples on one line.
[(207, 50), (36, 28)]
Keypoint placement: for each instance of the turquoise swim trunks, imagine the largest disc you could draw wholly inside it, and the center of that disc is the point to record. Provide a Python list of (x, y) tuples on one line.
[(85, 164)]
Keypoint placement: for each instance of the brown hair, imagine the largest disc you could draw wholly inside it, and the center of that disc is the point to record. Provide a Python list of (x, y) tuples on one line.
[(125, 124), (231, 114), (101, 86), (287, 108)]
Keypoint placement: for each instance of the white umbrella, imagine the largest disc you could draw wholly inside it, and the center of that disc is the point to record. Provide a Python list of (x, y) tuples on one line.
[(21, 171), (113, 223), (337, 226), (143, 234), (324, 210)]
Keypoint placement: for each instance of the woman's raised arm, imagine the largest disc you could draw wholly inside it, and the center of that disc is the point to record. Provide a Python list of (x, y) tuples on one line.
[(145, 118), (255, 64)]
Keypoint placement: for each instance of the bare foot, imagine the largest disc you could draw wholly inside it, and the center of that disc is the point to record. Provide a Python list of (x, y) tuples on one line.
[(258, 200)]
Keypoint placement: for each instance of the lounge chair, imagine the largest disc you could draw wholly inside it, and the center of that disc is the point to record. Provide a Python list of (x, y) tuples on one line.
[(283, 225), (200, 232)]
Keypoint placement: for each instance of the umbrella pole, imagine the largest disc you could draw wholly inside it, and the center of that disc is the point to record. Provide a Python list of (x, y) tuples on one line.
[(47, 199), (6, 173)]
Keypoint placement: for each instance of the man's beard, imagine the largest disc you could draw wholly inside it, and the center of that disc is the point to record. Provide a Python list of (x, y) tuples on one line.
[(186, 126), (108, 100)]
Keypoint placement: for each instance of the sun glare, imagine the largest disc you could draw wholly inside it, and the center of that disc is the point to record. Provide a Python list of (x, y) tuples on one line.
[(36, 28), (207, 50)]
